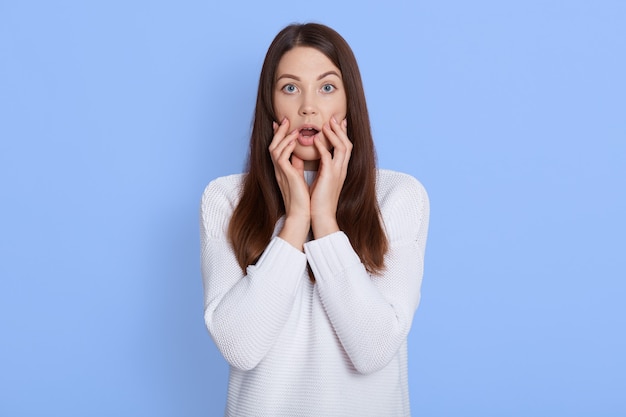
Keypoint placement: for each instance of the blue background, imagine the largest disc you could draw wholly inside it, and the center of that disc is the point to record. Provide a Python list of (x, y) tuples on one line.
[(114, 115)]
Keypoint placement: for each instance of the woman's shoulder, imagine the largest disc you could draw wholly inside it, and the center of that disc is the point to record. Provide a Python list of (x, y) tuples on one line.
[(391, 185), (228, 186), (403, 203), (222, 193), (219, 200)]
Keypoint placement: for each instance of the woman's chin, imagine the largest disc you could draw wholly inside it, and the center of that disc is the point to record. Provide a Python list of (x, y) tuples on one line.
[(307, 154)]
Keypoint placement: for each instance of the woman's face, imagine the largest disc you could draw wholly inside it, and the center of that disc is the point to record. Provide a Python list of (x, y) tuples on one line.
[(309, 92)]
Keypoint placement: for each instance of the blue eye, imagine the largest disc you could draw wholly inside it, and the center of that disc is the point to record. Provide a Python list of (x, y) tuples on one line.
[(328, 88), (290, 89)]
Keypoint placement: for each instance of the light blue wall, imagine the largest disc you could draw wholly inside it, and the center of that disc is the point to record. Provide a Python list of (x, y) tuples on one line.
[(114, 115)]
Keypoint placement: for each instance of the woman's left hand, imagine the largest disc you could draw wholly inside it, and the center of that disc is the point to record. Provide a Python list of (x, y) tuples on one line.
[(331, 175)]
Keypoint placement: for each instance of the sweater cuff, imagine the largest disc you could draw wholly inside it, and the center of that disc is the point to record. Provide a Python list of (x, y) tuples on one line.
[(282, 264), (331, 254)]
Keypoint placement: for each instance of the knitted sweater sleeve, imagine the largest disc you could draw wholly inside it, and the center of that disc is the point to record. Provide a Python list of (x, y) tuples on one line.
[(372, 315), (244, 313)]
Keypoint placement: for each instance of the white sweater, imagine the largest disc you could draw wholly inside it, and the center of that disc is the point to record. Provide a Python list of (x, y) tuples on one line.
[(336, 347)]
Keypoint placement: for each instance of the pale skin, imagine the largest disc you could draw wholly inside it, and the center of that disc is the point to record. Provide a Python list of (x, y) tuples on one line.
[(309, 98)]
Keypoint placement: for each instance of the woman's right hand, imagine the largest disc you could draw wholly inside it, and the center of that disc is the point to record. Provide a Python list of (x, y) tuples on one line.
[(289, 171)]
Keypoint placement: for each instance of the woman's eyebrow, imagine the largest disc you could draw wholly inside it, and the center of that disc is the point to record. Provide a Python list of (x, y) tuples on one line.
[(326, 74), (288, 76)]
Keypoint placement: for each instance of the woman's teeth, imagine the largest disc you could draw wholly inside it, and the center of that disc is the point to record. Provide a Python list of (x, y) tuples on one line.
[(308, 131)]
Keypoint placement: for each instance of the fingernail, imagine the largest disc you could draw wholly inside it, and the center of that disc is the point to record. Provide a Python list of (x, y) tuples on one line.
[(284, 121), (274, 125), (345, 123), (334, 120)]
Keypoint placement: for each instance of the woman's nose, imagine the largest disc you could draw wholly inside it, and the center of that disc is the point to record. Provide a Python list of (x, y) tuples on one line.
[(308, 106)]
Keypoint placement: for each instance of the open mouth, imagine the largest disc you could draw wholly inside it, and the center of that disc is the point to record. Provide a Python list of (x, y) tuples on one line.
[(307, 136), (308, 131)]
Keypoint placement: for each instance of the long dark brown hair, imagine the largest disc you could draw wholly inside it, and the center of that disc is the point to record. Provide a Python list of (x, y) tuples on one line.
[(261, 205)]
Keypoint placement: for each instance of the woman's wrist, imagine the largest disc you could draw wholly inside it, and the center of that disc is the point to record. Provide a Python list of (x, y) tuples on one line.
[(295, 231), (323, 226)]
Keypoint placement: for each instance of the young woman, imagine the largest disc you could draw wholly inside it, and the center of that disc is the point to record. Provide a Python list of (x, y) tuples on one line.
[(312, 261)]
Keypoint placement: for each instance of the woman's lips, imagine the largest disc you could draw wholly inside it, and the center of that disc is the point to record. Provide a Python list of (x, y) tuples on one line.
[(307, 136)]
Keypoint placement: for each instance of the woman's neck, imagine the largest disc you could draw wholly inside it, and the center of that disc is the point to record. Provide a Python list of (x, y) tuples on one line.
[(311, 165)]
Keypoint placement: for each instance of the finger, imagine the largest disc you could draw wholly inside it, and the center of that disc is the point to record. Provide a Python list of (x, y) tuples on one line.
[(342, 134), (279, 129), (279, 133), (334, 127), (325, 156), (338, 139), (283, 150), (278, 147), (341, 129)]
